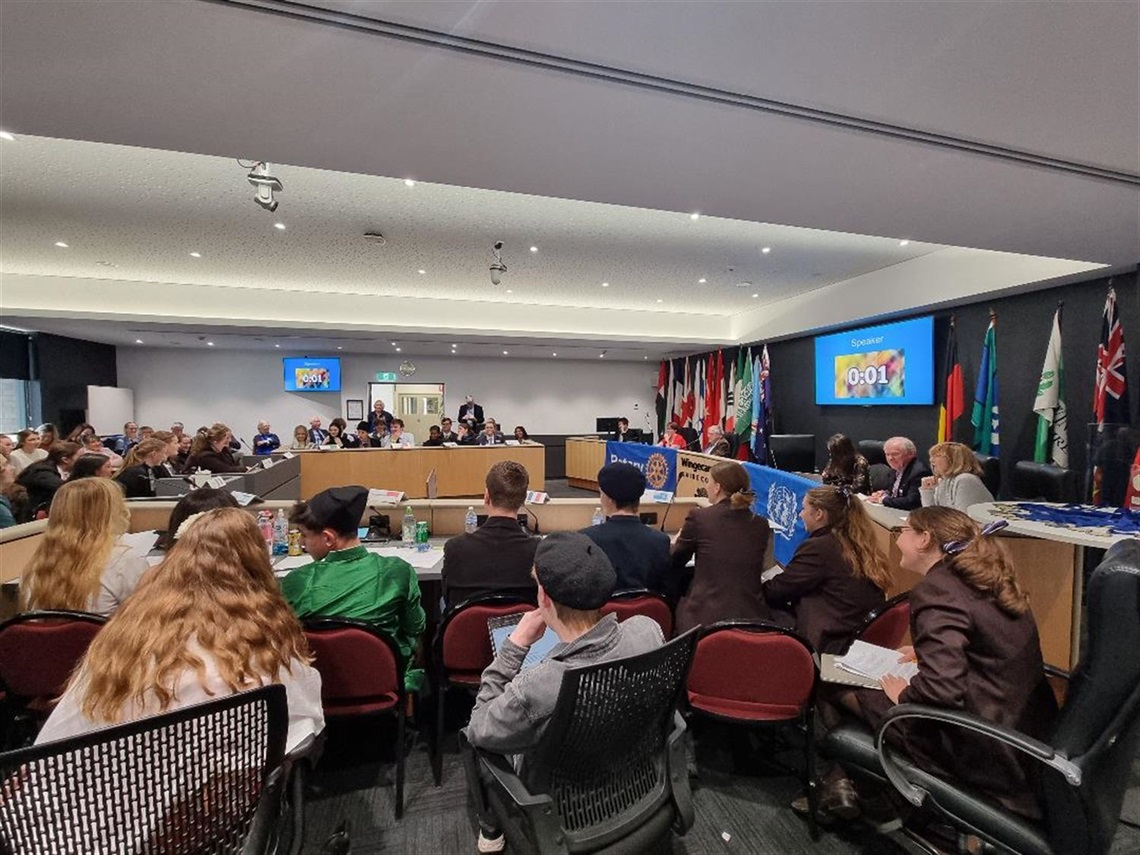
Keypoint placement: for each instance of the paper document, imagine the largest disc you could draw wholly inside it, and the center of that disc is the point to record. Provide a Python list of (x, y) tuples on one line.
[(243, 499), (870, 660), (660, 497), (385, 497), (291, 562), (139, 542), (533, 497), (420, 560), (771, 573)]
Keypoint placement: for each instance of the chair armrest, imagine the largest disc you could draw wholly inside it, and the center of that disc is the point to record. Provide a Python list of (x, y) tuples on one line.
[(506, 777), (1034, 748)]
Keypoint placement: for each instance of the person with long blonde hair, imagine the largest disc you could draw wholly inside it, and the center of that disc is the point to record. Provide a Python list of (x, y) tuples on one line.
[(211, 451), (208, 622), (80, 563), (729, 542), (837, 575), (956, 482)]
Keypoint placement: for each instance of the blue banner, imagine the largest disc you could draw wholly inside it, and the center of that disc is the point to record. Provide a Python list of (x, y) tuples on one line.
[(657, 462), (779, 497)]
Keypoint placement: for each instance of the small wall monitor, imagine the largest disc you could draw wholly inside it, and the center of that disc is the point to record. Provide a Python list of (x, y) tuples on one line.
[(312, 374), (890, 364)]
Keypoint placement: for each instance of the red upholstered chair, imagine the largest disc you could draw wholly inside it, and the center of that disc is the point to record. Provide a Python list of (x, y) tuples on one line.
[(641, 601), (38, 652), (361, 674), (887, 625), (756, 674), (461, 650)]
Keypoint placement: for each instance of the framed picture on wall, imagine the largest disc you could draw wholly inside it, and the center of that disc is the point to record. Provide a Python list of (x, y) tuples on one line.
[(355, 408)]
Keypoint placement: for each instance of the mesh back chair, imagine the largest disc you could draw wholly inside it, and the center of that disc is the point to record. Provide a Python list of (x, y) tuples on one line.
[(38, 652), (887, 625), (461, 650), (641, 601), (362, 674), (609, 770), (198, 780), (757, 674), (1085, 770)]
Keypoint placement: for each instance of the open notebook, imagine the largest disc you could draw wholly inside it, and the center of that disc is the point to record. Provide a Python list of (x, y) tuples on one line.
[(501, 627)]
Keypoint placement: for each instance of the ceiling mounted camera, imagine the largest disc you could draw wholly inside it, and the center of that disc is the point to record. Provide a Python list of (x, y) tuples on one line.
[(265, 185), (498, 268)]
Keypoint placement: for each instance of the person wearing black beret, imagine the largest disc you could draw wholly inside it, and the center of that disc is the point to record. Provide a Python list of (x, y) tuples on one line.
[(639, 553), (347, 581), (575, 579)]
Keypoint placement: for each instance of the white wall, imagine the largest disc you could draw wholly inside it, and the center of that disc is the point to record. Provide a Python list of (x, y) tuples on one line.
[(241, 387)]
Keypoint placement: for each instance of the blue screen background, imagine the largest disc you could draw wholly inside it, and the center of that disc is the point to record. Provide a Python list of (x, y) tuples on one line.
[(330, 364), (915, 337)]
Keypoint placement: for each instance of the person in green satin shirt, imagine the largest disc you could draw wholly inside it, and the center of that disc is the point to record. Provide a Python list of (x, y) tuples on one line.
[(347, 581)]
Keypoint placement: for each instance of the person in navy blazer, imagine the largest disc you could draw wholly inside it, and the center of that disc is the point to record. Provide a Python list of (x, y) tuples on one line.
[(470, 412), (316, 435)]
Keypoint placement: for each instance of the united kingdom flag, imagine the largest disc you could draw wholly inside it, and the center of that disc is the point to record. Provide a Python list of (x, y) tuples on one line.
[(1110, 397)]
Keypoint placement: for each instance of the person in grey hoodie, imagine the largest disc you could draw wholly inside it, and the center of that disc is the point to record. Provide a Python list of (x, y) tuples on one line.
[(575, 579)]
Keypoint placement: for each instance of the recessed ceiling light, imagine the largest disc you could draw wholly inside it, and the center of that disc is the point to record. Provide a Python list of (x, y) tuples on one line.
[(754, 296), (7, 137), (702, 281), (660, 301), (765, 249), (195, 255), (509, 291), (505, 352), (399, 350), (421, 272), (534, 249), (695, 215), (209, 344), (279, 226), (340, 348), (138, 341), (393, 344), (601, 356), (903, 242), (555, 353), (646, 357), (277, 346), (409, 182), (61, 244), (605, 284), (453, 345)]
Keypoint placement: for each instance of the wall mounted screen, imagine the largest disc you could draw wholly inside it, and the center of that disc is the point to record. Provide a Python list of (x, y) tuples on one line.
[(891, 364), (312, 374)]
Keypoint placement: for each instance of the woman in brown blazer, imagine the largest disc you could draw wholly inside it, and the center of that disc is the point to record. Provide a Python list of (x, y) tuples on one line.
[(837, 575), (729, 542), (978, 651)]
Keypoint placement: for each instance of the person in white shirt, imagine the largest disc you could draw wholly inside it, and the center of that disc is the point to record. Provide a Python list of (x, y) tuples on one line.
[(398, 436), (208, 622), (80, 563), (27, 450), (490, 434)]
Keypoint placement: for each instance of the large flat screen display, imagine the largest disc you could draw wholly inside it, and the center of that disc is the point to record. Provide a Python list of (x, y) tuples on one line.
[(891, 364), (312, 374)]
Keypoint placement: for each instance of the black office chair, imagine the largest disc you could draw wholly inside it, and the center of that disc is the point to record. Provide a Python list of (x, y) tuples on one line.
[(991, 472), (609, 771), (691, 437), (201, 779), (1043, 482), (1083, 772), (872, 449)]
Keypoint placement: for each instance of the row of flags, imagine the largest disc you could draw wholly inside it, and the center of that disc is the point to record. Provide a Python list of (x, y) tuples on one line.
[(1110, 397), (702, 391)]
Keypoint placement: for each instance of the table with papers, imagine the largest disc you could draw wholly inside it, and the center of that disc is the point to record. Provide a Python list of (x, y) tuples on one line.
[(428, 564)]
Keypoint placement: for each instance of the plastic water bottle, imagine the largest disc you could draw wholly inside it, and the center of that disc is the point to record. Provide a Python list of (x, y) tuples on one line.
[(280, 533), (265, 524), (470, 522), (408, 533), (598, 518)]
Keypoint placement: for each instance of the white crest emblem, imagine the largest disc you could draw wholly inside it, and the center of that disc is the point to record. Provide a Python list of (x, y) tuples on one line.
[(782, 509)]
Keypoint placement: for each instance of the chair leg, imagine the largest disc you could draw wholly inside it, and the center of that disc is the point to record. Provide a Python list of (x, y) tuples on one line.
[(401, 751), (298, 797), (437, 747), (810, 782)]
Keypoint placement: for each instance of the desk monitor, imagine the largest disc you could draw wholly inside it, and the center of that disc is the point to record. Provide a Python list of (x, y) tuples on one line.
[(606, 425)]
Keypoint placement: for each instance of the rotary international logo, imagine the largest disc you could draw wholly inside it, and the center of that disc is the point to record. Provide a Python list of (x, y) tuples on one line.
[(656, 470), (782, 509)]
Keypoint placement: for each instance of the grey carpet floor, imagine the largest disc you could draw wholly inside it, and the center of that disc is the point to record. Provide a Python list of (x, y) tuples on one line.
[(738, 810)]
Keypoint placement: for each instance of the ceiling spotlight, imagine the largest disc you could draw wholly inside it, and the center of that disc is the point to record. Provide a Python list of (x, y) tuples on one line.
[(399, 350), (754, 296), (702, 281), (7, 137), (195, 255), (409, 182), (605, 284), (509, 291), (555, 353), (660, 301), (340, 348), (765, 249), (138, 341), (265, 185), (277, 346), (602, 355), (534, 249), (498, 268), (209, 344), (279, 226), (421, 272), (505, 352), (695, 215), (903, 242), (61, 244)]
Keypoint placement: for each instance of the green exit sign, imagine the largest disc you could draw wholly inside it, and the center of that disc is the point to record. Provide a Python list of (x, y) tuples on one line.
[(386, 377)]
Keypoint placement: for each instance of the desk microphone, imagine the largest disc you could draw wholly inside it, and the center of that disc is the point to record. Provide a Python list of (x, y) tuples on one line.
[(241, 439)]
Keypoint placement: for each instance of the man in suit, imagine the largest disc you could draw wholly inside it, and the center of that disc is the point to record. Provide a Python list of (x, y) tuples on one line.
[(471, 412), (445, 432), (317, 436), (718, 443), (497, 557), (905, 493), (640, 554), (490, 434)]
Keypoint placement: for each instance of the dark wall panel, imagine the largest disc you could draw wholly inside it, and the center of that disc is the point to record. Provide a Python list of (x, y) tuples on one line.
[(67, 366), (14, 356), (1023, 327)]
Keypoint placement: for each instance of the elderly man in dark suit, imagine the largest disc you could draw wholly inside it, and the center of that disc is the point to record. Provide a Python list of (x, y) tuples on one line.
[(470, 412), (905, 493)]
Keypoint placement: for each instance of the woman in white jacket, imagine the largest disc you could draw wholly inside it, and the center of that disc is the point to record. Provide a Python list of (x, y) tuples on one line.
[(955, 482)]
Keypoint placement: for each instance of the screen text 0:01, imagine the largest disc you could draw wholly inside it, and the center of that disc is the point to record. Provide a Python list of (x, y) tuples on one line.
[(875, 374)]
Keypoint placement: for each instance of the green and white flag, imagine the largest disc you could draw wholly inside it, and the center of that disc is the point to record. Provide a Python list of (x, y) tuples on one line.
[(1050, 403), (744, 397)]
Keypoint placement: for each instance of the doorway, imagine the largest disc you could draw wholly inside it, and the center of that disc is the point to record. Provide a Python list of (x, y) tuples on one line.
[(420, 405)]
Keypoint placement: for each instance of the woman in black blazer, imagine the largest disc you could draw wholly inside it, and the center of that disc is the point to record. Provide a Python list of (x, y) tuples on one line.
[(837, 575), (211, 451), (138, 479)]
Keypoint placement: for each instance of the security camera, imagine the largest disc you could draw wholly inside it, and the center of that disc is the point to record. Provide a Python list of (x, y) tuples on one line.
[(265, 184), (498, 268)]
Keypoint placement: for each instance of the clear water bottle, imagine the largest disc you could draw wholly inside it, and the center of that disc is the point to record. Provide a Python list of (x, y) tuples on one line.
[(280, 533), (599, 517), (265, 524), (408, 533), (470, 522)]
